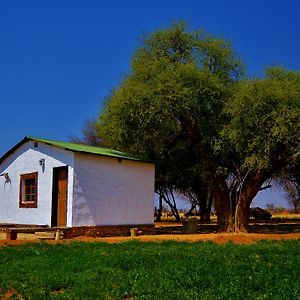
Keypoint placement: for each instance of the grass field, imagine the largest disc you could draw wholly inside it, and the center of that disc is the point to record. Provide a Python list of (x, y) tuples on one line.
[(135, 270)]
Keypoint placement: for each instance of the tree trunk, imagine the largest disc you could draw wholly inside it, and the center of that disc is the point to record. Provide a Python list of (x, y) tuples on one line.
[(190, 212), (169, 198), (206, 208), (204, 200), (217, 183), (249, 190), (295, 209), (209, 205), (242, 214), (206, 217), (175, 213), (222, 206), (221, 196), (159, 211)]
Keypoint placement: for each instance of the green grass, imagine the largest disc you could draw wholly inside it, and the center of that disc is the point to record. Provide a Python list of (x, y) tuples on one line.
[(168, 270)]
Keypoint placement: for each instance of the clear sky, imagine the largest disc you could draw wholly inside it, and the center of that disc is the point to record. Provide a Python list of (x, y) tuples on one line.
[(59, 59)]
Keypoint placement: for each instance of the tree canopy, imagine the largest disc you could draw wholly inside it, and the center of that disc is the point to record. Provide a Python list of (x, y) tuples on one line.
[(263, 130), (264, 120), (186, 105)]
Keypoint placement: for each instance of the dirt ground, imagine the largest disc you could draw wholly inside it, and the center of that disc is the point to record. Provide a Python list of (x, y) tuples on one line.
[(218, 238)]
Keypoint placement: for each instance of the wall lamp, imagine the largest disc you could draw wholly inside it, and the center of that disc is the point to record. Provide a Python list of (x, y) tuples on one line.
[(5, 175), (42, 162)]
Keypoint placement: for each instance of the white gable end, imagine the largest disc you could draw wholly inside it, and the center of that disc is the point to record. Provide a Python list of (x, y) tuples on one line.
[(26, 159)]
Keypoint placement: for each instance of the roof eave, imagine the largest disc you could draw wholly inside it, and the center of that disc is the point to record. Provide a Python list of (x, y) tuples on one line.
[(14, 148), (26, 139)]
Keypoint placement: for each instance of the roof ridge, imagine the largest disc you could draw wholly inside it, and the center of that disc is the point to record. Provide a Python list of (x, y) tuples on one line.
[(72, 143), (82, 148)]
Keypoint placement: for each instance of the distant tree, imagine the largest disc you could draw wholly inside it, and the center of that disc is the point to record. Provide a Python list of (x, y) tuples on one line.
[(292, 189), (89, 135), (170, 199), (200, 199), (270, 207)]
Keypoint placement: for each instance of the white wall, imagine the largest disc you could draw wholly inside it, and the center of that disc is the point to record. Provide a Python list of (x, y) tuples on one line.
[(108, 192), (26, 160)]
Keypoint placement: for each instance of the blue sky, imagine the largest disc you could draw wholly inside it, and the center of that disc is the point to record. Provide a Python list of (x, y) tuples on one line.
[(59, 59)]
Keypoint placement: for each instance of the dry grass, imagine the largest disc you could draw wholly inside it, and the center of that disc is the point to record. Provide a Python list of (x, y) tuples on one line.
[(286, 216), (218, 238)]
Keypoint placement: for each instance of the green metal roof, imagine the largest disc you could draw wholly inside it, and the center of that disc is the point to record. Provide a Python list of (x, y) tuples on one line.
[(76, 148)]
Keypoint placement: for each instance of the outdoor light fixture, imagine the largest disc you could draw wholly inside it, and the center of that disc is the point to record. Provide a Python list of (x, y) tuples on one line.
[(42, 162), (7, 179)]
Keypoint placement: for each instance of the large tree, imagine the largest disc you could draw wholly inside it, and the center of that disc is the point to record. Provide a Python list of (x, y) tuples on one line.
[(182, 105), (264, 130), (170, 109)]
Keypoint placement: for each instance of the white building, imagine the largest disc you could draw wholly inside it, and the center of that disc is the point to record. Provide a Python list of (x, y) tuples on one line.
[(45, 182)]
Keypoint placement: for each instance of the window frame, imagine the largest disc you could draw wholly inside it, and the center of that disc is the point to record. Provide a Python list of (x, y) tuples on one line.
[(28, 204)]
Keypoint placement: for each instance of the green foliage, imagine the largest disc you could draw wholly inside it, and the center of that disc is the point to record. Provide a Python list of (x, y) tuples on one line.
[(265, 120), (171, 101), (184, 107), (169, 270), (176, 45)]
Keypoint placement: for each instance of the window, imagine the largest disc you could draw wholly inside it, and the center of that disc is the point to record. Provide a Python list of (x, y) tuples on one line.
[(28, 190)]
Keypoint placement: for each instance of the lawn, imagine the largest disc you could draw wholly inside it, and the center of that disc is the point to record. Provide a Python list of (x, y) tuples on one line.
[(167, 270)]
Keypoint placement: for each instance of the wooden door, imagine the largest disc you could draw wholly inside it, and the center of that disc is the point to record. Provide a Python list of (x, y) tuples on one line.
[(62, 189), (59, 196)]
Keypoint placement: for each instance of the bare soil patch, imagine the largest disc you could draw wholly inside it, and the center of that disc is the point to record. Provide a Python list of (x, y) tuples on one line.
[(173, 231), (218, 238), (12, 294)]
